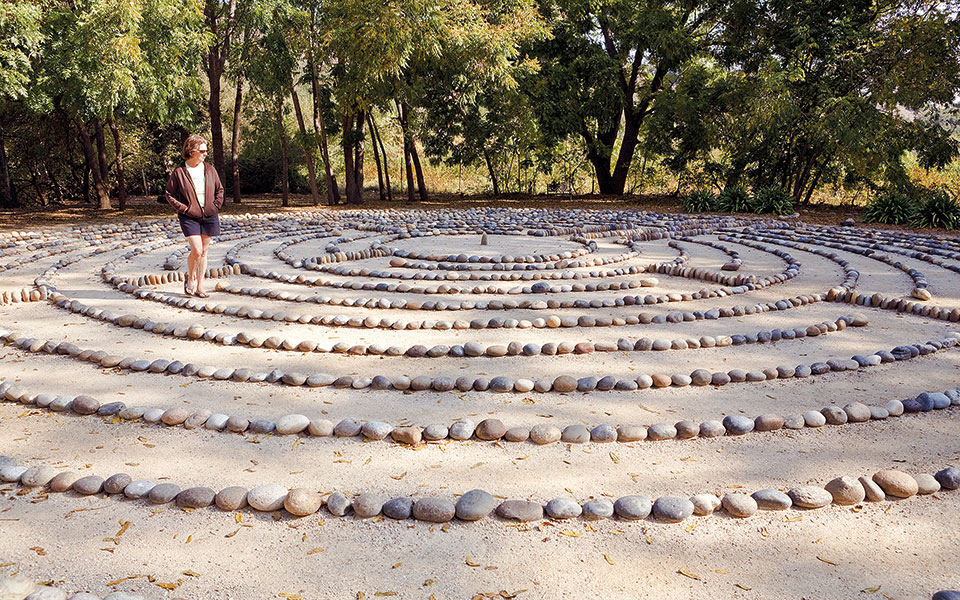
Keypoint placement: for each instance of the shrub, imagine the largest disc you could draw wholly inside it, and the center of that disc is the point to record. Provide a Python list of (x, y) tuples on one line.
[(772, 200), (734, 199), (938, 210), (891, 208), (699, 201)]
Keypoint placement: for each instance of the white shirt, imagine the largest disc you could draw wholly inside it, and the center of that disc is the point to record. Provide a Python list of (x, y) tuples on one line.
[(196, 175)]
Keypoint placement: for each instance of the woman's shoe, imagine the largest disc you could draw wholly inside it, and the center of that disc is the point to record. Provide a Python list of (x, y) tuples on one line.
[(188, 286), (201, 294)]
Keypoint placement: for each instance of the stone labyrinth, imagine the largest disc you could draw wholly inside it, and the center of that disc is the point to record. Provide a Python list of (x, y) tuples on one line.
[(447, 383)]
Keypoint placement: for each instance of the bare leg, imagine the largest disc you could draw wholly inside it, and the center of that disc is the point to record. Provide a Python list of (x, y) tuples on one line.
[(201, 264), (196, 249)]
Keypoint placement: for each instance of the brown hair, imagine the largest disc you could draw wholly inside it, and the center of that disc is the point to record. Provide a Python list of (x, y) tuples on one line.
[(192, 143)]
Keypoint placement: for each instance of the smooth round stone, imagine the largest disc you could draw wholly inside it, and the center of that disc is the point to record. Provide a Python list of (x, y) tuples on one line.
[(834, 415), (719, 379), (216, 422), (406, 435), (813, 418), (231, 498), (109, 409), (520, 510), (603, 433), (872, 490), (949, 478), (946, 595), (85, 405), (38, 476), (501, 384), (63, 481), (739, 505), (704, 504), (435, 432), (632, 508), (517, 434), (320, 428), (347, 428), (802, 371), (661, 431), (768, 423), (475, 505), (794, 422), (267, 497), (89, 485), (878, 413), (116, 483), (894, 407), (398, 508), (565, 383), (290, 424), (575, 434), (712, 429), (197, 419), (701, 377), (738, 424), (845, 490), (631, 433), (237, 424), (16, 588), (595, 510), (46, 593), (490, 429), (543, 433), (367, 505), (376, 430), (770, 499), (810, 496), (434, 510), (175, 416), (563, 508), (926, 484), (338, 504), (302, 502), (462, 429), (162, 493), (857, 412), (896, 483), (196, 497), (672, 509), (12, 473), (138, 488), (262, 426)]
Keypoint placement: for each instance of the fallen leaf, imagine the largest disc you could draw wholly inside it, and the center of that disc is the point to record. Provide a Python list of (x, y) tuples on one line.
[(396, 565), (615, 458), (721, 571), (191, 573), (871, 590), (385, 594), (40, 551), (683, 571), (607, 558), (167, 586), (429, 582), (570, 533), (315, 551), (123, 528), (291, 596), (471, 563), (743, 587), (233, 533), (793, 519), (399, 477), (829, 562)]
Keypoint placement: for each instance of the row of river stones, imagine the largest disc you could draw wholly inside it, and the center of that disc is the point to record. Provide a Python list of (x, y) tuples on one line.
[(479, 504), (18, 587), (487, 429)]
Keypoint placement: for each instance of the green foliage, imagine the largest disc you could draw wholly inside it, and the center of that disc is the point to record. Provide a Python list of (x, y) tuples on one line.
[(734, 199), (772, 200), (890, 208), (699, 201), (938, 209), (19, 42)]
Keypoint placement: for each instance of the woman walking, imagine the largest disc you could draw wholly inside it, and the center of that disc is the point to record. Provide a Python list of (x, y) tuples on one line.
[(194, 189)]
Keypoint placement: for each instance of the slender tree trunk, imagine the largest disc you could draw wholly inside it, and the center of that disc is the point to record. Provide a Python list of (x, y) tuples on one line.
[(215, 61), (101, 151), (493, 176), (320, 126), (376, 157), (121, 187), (358, 152), (421, 185), (86, 183), (103, 194), (235, 141), (284, 160), (383, 153), (57, 188), (7, 199), (353, 194), (407, 162), (307, 147)]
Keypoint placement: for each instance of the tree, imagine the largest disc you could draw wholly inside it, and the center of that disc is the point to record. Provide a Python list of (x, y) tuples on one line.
[(221, 20)]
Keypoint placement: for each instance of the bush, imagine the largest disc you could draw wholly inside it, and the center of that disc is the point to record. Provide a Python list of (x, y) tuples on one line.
[(772, 200), (699, 201), (938, 210), (734, 199), (891, 208)]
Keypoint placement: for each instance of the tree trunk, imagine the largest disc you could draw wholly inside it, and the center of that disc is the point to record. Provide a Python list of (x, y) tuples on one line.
[(103, 194), (86, 183), (493, 176), (407, 163), (121, 187), (7, 199), (376, 157), (216, 59), (57, 188), (383, 153), (358, 152), (353, 194), (307, 147), (411, 147), (320, 126), (235, 141), (101, 151), (284, 161)]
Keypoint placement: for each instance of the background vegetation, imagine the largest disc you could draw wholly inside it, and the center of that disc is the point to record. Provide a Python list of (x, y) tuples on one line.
[(749, 105)]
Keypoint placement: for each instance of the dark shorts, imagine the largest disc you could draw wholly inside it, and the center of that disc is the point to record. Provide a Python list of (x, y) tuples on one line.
[(209, 226)]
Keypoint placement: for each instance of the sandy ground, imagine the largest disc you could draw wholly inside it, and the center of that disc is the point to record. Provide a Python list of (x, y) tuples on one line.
[(897, 549)]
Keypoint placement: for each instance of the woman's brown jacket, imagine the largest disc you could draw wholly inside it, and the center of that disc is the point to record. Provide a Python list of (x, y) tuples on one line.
[(182, 196)]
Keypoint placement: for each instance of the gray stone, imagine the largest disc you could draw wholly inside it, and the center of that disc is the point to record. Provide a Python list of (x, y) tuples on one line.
[(338, 504), (520, 510), (89, 485), (63, 481), (347, 428), (320, 428), (367, 505), (435, 432), (37, 476), (462, 429), (603, 433), (575, 434), (926, 484), (594, 510), (231, 498), (672, 509), (290, 424), (661, 431), (475, 505), (138, 488), (739, 505), (770, 499), (116, 483), (162, 493), (845, 490), (949, 478), (813, 418), (543, 433), (376, 430), (738, 424), (268, 497), (398, 508), (711, 429), (563, 508), (302, 502), (857, 412), (196, 497), (47, 593), (434, 510), (631, 433), (872, 490), (11, 473), (834, 415), (810, 496), (490, 429)]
